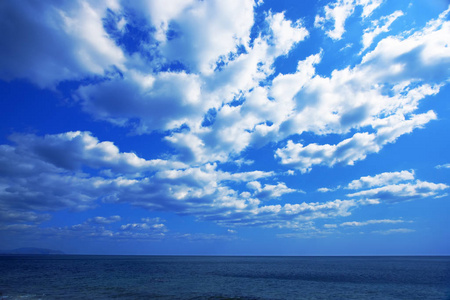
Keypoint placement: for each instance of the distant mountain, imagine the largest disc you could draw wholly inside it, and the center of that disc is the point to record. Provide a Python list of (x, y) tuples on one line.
[(30, 250)]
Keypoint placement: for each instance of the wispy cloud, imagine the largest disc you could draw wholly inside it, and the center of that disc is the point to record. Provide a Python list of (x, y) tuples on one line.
[(378, 27), (444, 166), (370, 222), (337, 13), (394, 231)]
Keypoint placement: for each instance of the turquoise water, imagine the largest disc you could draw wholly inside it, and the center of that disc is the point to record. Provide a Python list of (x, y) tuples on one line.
[(210, 277)]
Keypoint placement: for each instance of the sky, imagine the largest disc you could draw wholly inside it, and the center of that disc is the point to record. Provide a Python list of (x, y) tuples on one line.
[(225, 127)]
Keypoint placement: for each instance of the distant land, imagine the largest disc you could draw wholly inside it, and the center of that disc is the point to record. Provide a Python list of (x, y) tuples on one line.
[(30, 250)]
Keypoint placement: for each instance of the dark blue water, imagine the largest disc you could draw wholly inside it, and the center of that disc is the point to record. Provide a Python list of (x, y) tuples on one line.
[(187, 277)]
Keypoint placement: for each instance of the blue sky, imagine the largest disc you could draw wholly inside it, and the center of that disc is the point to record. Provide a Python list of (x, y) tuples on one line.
[(225, 127)]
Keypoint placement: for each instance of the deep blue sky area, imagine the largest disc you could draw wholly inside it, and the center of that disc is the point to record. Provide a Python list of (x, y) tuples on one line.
[(217, 127)]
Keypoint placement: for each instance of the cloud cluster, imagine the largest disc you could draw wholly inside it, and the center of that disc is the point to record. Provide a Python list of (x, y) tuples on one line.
[(218, 98), (41, 184), (46, 180)]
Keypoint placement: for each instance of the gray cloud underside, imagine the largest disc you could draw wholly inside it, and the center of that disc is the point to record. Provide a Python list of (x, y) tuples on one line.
[(37, 179)]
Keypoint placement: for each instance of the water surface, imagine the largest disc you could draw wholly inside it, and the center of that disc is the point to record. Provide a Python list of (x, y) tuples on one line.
[(212, 277)]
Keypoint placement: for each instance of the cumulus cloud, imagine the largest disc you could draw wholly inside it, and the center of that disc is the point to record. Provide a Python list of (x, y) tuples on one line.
[(326, 190), (170, 99), (349, 150), (285, 33), (289, 215), (269, 190), (104, 220), (381, 179), (386, 89), (147, 225), (229, 24)]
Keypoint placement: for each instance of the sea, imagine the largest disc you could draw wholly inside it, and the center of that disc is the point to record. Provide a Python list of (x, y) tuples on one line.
[(223, 277)]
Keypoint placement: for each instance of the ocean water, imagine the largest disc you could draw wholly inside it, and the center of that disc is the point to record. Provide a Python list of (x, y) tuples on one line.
[(210, 277)]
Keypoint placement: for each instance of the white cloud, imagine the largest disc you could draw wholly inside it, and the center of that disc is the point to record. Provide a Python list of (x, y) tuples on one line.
[(208, 30), (292, 215), (269, 191), (390, 187), (422, 54), (168, 100), (325, 190), (143, 227), (369, 6), (376, 29), (338, 12), (381, 179), (349, 150), (444, 166), (402, 192), (104, 220), (285, 33), (372, 32)]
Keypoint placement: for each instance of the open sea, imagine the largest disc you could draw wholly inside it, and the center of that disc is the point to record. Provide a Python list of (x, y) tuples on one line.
[(225, 277)]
